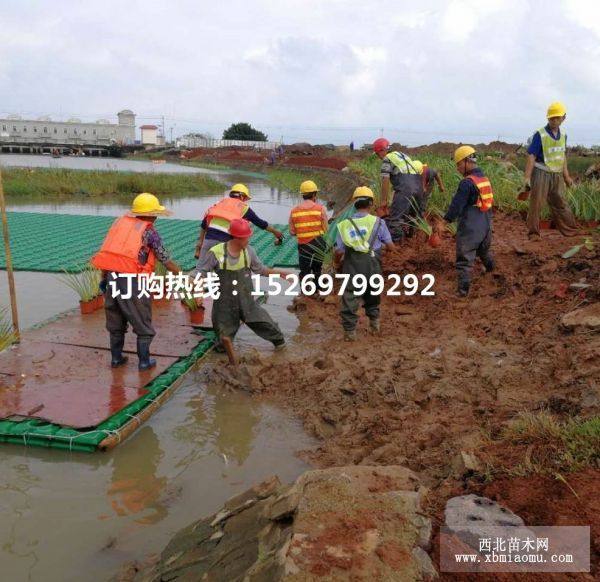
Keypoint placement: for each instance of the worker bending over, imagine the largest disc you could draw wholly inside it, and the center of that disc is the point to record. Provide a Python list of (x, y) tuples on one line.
[(546, 173), (429, 178), (234, 262), (214, 228), (358, 249), (472, 206), (132, 246), (308, 222), (398, 171)]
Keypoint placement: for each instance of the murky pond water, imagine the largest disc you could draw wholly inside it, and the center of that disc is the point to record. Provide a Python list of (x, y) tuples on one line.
[(74, 516), (270, 203)]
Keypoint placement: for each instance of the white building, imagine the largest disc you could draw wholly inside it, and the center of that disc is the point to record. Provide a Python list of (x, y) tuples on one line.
[(198, 140), (44, 133), (149, 134)]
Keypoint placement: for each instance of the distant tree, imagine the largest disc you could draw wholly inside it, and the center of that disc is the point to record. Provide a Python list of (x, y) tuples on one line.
[(243, 131)]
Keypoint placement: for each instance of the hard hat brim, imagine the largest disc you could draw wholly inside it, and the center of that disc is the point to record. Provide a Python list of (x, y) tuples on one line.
[(161, 211)]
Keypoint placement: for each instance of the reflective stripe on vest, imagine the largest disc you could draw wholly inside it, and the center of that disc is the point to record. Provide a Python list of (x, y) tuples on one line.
[(402, 162), (219, 215), (121, 247), (354, 240), (554, 150), (242, 261), (307, 221), (485, 200)]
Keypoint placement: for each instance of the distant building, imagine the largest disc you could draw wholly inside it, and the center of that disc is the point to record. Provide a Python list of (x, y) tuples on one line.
[(198, 140), (44, 133), (149, 134)]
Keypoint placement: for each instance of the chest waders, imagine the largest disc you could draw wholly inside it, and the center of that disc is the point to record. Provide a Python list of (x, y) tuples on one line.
[(236, 305), (408, 189), (361, 263)]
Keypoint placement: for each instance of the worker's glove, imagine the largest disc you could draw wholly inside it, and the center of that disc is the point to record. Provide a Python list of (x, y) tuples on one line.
[(102, 286), (279, 239)]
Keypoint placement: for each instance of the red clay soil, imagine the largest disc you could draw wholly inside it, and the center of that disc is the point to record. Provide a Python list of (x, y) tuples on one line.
[(448, 373)]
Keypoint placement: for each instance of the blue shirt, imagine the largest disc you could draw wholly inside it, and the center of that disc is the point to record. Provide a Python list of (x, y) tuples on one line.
[(216, 234), (383, 235), (466, 195), (535, 146)]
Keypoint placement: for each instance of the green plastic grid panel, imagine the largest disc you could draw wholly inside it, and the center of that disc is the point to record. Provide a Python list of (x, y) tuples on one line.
[(56, 242), (33, 432)]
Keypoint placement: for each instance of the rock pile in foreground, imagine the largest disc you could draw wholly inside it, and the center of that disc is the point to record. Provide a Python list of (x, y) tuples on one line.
[(342, 523)]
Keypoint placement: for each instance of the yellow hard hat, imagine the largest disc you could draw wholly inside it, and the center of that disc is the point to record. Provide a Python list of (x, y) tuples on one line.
[(147, 204), (308, 186), (363, 192), (241, 189), (463, 152), (556, 109), (417, 165)]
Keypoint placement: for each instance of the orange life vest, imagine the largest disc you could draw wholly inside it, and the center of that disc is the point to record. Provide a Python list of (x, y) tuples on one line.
[(121, 247), (224, 211), (307, 221), (485, 200)]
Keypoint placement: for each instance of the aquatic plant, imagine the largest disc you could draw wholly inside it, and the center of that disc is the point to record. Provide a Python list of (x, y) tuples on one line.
[(7, 334), (85, 283)]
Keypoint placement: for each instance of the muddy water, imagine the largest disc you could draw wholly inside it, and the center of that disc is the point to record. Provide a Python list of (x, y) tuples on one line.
[(270, 203), (73, 516)]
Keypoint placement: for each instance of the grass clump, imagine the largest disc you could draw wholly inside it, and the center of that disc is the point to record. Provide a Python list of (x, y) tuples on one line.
[(62, 183), (554, 446), (7, 334), (85, 283)]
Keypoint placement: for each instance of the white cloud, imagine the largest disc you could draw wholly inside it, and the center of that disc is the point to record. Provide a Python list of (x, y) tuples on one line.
[(423, 71)]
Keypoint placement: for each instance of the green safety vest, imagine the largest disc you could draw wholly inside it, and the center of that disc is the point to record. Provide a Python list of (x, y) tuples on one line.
[(241, 263), (402, 162), (554, 150), (353, 239)]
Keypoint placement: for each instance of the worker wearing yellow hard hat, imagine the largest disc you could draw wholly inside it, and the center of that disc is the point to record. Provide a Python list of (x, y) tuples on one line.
[(214, 228), (308, 223), (429, 177), (132, 246), (472, 207), (547, 173), (360, 241)]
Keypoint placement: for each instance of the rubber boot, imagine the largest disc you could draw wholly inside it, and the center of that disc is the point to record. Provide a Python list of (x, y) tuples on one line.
[(116, 351), (489, 266), (143, 351), (374, 326), (349, 336)]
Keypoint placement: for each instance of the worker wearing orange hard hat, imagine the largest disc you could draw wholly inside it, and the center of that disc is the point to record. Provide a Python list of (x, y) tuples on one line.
[(546, 173), (398, 173), (234, 262)]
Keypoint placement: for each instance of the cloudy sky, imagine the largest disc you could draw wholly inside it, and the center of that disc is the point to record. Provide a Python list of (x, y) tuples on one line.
[(314, 70)]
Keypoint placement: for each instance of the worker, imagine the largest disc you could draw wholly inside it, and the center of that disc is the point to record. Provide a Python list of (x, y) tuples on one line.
[(308, 222), (471, 205), (132, 246), (358, 249), (398, 171), (429, 177), (234, 261), (546, 173), (215, 224)]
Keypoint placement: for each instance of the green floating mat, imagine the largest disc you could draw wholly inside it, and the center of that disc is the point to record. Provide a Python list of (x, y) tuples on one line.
[(56, 242), (33, 432)]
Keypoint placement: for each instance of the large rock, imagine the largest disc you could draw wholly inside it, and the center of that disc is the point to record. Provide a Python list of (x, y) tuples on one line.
[(587, 317), (344, 523)]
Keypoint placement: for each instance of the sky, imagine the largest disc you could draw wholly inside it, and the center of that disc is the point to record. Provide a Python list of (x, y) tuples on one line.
[(323, 71)]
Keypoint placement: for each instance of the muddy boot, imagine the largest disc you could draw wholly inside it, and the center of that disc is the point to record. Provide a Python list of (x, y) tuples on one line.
[(116, 351), (349, 336), (143, 351), (489, 265), (374, 326), (280, 346)]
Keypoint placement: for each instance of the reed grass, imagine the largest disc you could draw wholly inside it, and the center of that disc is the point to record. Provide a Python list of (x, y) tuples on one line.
[(7, 334), (62, 183), (85, 283)]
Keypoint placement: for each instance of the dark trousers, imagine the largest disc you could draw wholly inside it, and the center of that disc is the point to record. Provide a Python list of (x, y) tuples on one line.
[(469, 246), (136, 312), (310, 258)]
